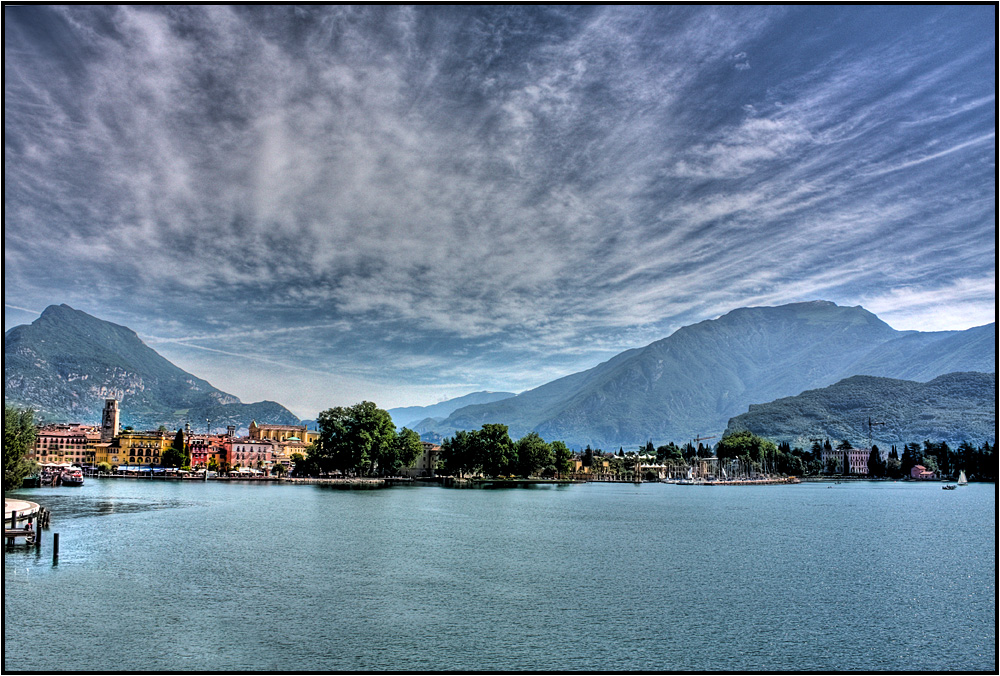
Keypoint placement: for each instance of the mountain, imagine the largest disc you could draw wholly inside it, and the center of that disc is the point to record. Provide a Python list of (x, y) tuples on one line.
[(955, 407), (408, 416), (692, 382), (67, 362)]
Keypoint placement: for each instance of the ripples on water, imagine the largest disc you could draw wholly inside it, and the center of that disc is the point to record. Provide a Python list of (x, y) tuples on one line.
[(177, 576)]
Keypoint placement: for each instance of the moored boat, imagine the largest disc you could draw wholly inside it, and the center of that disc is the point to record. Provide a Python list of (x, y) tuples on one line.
[(71, 477), (948, 487)]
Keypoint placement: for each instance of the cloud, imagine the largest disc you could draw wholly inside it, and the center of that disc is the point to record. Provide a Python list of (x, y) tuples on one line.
[(488, 195)]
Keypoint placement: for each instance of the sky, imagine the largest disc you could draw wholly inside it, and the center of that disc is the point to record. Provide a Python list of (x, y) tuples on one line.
[(323, 205)]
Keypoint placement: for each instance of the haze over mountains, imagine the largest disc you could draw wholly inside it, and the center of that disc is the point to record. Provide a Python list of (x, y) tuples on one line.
[(410, 416), (691, 383), (67, 362), (686, 385), (954, 407)]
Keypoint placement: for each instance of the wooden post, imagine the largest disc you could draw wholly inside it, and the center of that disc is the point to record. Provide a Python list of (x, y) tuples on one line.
[(55, 548)]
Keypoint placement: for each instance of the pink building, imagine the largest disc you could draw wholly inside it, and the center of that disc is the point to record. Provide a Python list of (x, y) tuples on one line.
[(251, 453), (921, 472)]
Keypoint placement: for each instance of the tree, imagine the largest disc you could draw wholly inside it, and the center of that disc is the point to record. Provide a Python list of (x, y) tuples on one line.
[(562, 457), (588, 456), (104, 468), (176, 455), (279, 469), (746, 445), (493, 450), (532, 454), (359, 437), (407, 448), (875, 465), (911, 457), (456, 452), (19, 435)]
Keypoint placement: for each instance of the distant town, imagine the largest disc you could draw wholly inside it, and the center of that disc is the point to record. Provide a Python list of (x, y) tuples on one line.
[(274, 452)]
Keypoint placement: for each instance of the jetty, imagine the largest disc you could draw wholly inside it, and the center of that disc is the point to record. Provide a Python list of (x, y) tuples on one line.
[(25, 520)]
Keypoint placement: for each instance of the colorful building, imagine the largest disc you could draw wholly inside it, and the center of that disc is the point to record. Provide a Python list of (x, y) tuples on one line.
[(246, 452), (139, 448), (283, 433), (70, 442)]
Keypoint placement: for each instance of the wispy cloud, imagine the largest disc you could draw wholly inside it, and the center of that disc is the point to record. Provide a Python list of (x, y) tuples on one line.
[(492, 195)]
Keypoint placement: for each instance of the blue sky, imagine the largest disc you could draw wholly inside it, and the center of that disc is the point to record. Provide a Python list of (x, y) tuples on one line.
[(322, 205)]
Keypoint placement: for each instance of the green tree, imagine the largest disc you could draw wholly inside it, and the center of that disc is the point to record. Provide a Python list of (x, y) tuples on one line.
[(588, 456), (532, 454), (176, 455), (456, 452), (104, 468), (562, 457), (407, 448), (19, 433), (279, 469), (746, 445), (875, 465), (493, 450), (360, 437)]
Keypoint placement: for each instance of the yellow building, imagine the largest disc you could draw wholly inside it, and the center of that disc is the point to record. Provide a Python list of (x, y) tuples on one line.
[(139, 448), (283, 433)]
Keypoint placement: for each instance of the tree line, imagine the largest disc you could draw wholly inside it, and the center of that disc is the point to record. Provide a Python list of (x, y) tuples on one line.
[(491, 452)]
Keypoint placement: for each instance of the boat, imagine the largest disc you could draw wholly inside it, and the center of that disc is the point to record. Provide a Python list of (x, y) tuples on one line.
[(71, 477), (948, 487), (962, 481)]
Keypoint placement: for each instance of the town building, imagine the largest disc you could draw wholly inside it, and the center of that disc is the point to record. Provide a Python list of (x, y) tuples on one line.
[(247, 452), (139, 448), (921, 473), (109, 420), (426, 463), (208, 450), (283, 433), (66, 443)]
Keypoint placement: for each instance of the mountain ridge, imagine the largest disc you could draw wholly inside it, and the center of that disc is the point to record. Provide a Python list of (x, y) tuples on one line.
[(67, 362), (693, 381), (953, 407)]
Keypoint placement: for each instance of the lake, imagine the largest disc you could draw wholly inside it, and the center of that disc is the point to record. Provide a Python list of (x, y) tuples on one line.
[(162, 575)]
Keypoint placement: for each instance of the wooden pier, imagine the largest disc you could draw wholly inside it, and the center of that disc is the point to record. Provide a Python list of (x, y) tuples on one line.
[(25, 519)]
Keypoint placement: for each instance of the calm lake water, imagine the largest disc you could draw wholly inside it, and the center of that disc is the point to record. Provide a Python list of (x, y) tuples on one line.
[(189, 576)]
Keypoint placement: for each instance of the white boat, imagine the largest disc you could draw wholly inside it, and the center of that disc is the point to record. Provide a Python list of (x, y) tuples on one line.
[(71, 477), (962, 481)]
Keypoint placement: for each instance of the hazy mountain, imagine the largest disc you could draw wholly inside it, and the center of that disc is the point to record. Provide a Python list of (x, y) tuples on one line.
[(408, 416), (66, 363), (692, 382), (955, 407), (925, 355)]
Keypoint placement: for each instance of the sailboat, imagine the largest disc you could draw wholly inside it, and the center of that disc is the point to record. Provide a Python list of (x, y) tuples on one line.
[(962, 481)]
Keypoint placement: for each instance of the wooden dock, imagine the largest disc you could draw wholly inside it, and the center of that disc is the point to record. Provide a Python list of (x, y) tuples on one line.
[(25, 520)]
